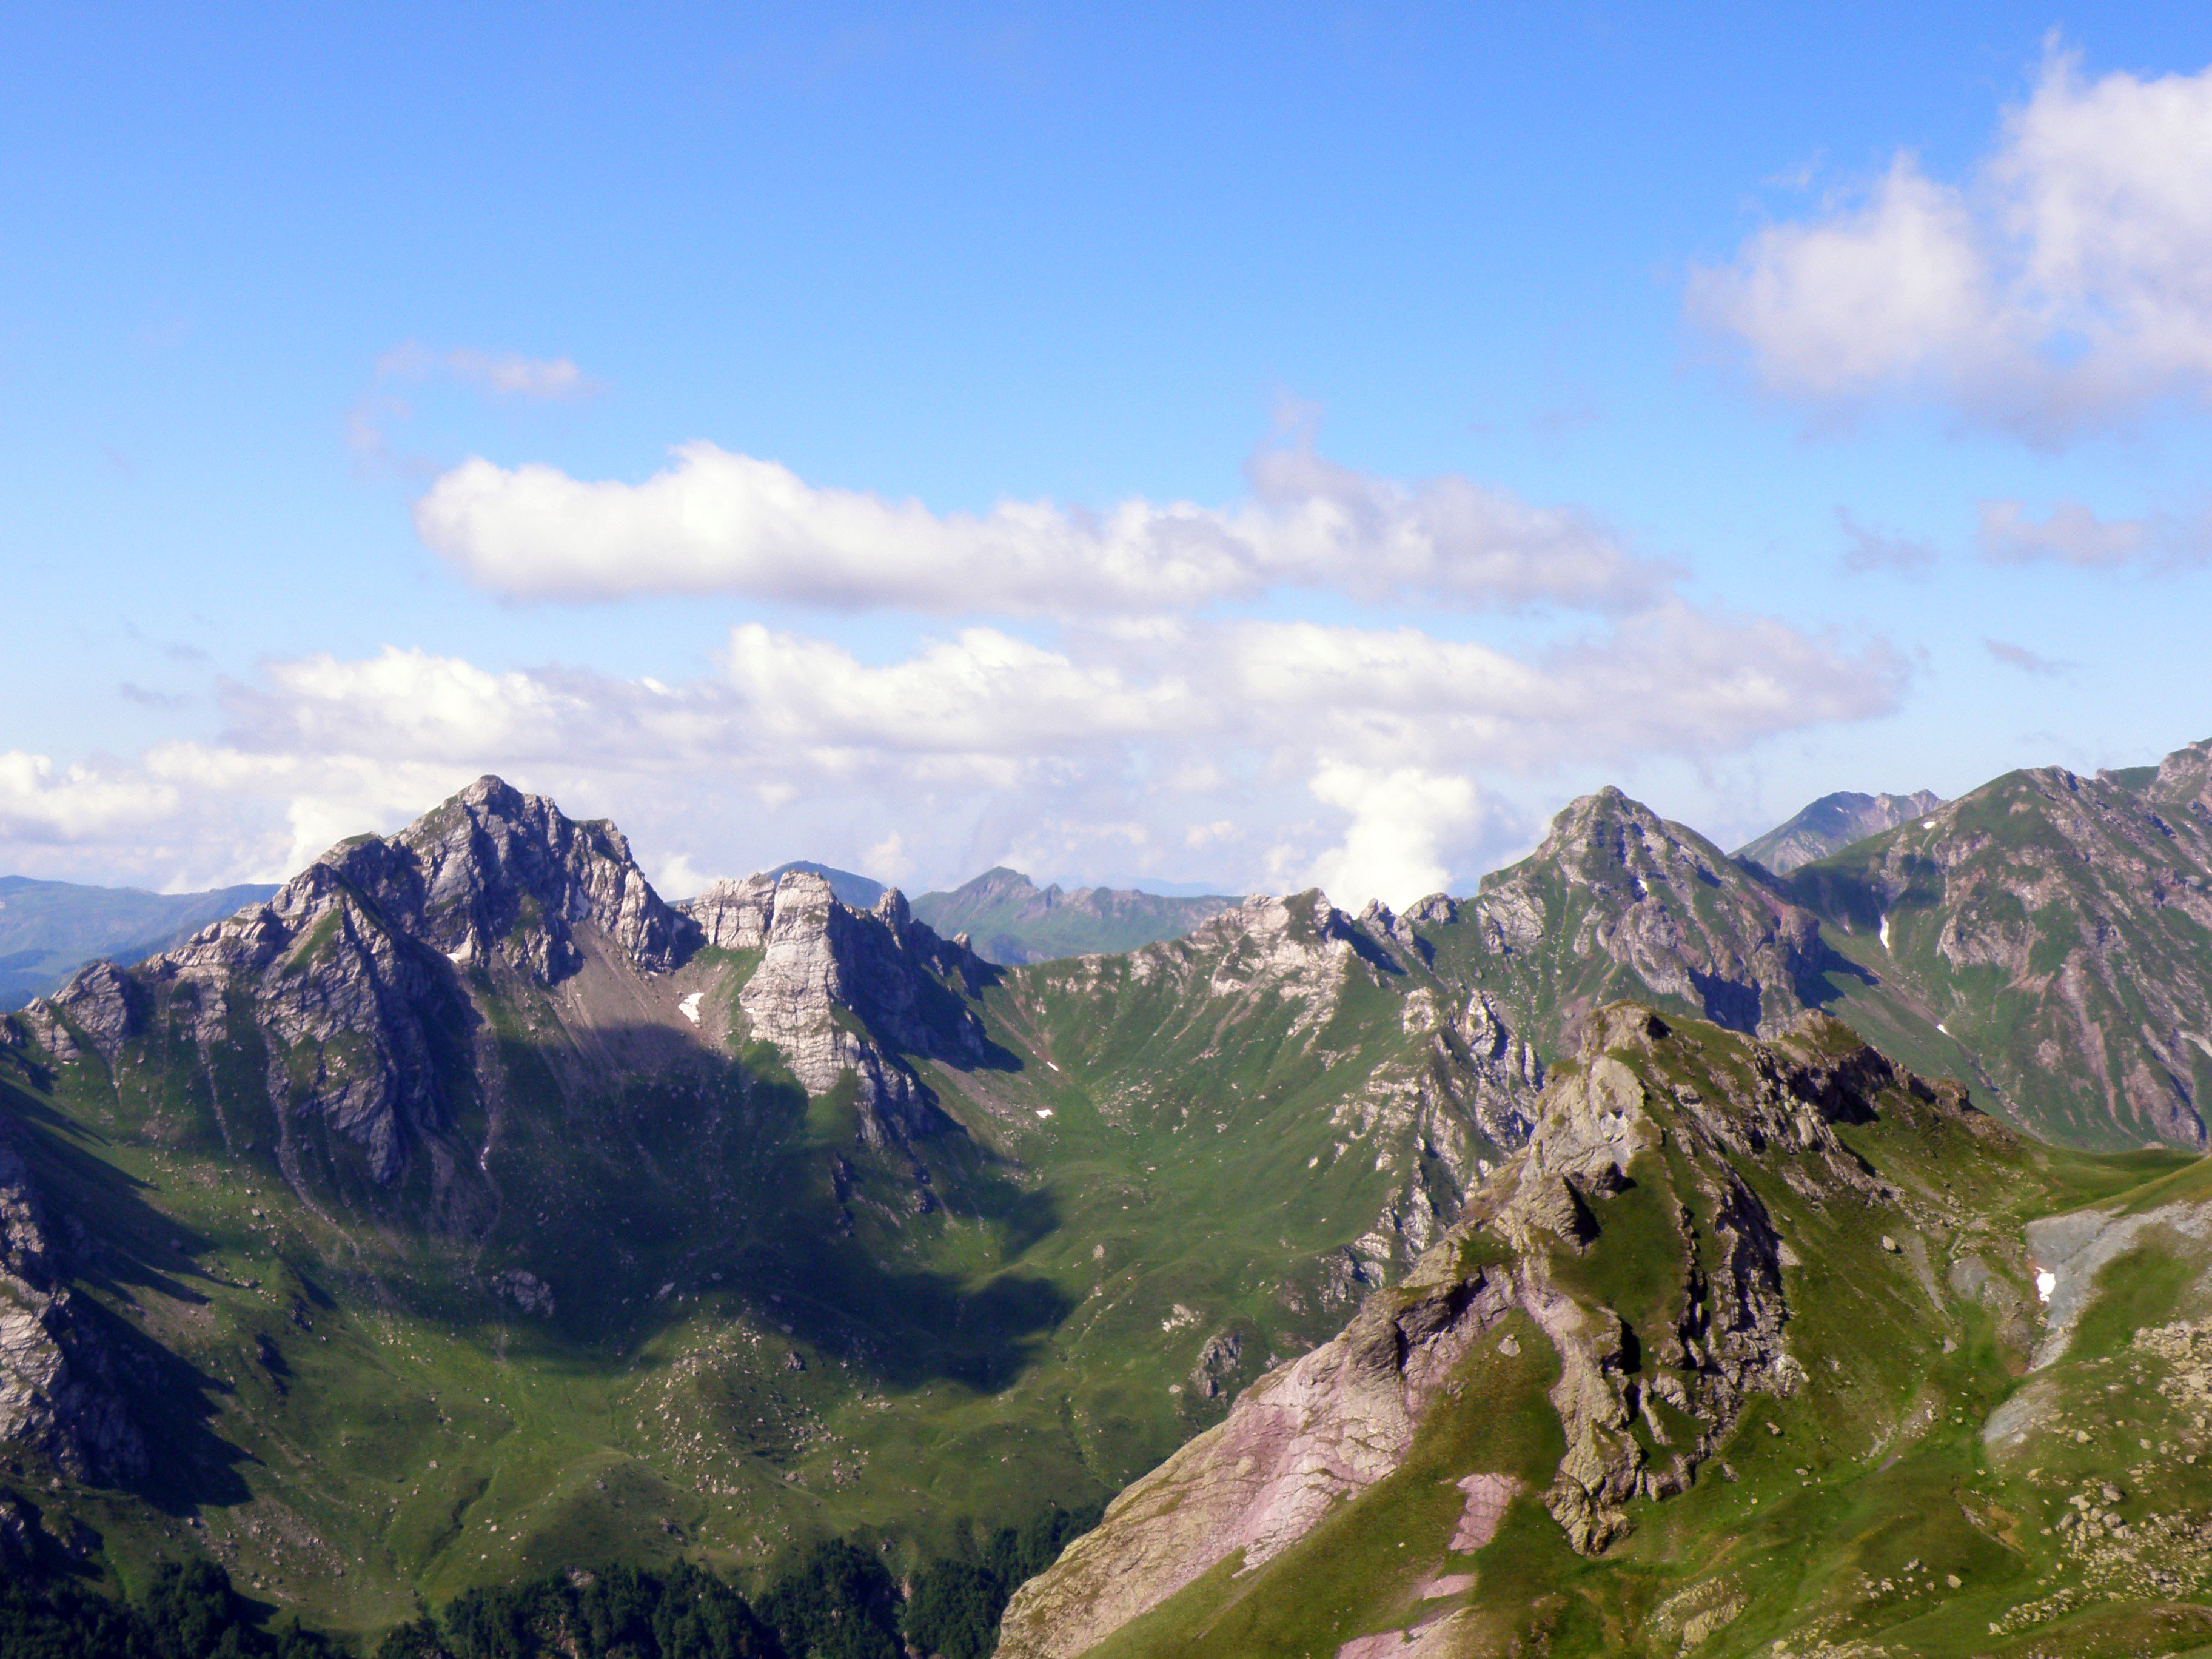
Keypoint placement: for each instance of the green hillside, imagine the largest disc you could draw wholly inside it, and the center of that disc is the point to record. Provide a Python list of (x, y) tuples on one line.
[(464, 1213), (618, 1287), (1779, 1383)]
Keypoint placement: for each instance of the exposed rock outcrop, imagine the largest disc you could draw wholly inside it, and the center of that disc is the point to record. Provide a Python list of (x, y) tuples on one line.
[(57, 1386), (1832, 823), (1619, 902), (841, 991), (352, 969), (1311, 1435), (2089, 900)]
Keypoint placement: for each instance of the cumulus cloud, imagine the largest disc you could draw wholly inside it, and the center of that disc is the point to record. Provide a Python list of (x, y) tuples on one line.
[(1147, 738), (1401, 822), (39, 803), (715, 521), (2071, 533), (2062, 286)]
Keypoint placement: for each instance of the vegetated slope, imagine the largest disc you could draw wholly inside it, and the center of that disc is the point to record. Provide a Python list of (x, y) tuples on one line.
[(49, 929), (1832, 823), (466, 1212), (1742, 1354), (1009, 919), (2056, 932)]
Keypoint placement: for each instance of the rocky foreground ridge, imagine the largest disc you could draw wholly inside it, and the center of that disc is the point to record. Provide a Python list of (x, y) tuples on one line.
[(1641, 1405)]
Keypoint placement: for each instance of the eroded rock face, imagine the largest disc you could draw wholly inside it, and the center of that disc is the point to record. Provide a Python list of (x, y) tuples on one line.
[(1303, 1437), (826, 970), (57, 1386), (734, 915), (1314, 1433), (2092, 898), (348, 972), (1631, 905)]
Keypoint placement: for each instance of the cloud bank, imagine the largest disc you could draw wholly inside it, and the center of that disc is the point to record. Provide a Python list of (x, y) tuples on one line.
[(1117, 740), (2064, 287), (715, 522)]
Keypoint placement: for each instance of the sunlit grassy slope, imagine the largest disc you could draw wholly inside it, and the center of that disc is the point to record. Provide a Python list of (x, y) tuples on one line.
[(1921, 1493)]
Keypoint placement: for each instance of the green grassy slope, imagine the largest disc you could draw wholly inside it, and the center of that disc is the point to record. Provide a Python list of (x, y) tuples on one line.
[(1912, 1496), (2050, 936), (760, 1327)]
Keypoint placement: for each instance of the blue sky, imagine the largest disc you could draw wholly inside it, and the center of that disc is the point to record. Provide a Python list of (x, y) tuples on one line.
[(1295, 443)]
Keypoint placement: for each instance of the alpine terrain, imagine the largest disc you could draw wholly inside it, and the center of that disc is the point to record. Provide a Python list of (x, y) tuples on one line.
[(465, 1214)]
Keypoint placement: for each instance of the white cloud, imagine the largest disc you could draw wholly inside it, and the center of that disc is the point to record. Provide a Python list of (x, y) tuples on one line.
[(77, 803), (2062, 286), (1872, 550), (2071, 533), (508, 374), (2028, 662), (887, 860), (1401, 823), (719, 522)]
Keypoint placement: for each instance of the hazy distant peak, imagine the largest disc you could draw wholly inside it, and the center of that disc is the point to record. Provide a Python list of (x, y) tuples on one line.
[(1833, 822)]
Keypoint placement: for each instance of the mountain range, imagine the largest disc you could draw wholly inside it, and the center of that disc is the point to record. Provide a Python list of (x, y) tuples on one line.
[(49, 929), (464, 1210), (1009, 919)]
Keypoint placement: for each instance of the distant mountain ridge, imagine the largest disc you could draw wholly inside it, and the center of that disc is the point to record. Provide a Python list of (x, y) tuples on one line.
[(1832, 823), (49, 929), (1009, 919)]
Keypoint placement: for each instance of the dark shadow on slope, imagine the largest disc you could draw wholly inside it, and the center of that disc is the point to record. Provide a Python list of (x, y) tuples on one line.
[(109, 1239), (636, 1198)]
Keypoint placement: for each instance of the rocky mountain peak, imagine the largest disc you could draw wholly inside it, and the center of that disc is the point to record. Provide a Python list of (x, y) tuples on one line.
[(1832, 823), (825, 967), (2185, 778), (351, 963), (495, 869), (1637, 906)]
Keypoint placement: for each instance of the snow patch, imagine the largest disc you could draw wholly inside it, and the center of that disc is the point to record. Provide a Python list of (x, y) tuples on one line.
[(1884, 932), (2046, 1282), (1044, 1111), (690, 1007)]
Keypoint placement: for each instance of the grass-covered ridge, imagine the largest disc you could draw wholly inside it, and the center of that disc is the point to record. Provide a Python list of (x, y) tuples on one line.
[(1925, 1488)]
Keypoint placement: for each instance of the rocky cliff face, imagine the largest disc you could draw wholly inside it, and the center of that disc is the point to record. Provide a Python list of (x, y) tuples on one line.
[(352, 972), (841, 991), (1648, 1126), (2059, 928), (57, 1393), (364, 975), (1619, 902), (1832, 823)]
